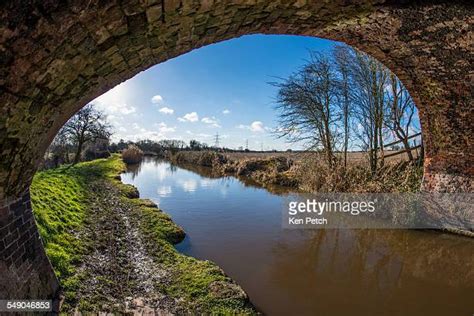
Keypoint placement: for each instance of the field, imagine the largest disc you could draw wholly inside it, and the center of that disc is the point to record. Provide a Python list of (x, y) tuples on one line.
[(354, 156)]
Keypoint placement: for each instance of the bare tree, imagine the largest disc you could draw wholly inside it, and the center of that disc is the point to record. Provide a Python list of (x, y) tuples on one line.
[(305, 103), (85, 126), (322, 102), (371, 81), (344, 59), (401, 113)]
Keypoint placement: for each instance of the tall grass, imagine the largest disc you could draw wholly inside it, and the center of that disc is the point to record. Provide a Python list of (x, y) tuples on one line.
[(132, 154), (200, 158), (314, 175)]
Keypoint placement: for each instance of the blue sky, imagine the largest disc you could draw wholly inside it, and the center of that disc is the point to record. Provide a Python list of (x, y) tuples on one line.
[(221, 88)]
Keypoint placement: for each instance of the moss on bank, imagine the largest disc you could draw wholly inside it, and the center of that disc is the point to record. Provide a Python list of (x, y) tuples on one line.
[(61, 203)]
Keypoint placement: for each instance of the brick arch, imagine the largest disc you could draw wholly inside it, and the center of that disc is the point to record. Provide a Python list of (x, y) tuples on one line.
[(55, 56)]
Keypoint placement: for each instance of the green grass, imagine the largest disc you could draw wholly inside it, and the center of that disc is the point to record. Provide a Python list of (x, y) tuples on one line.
[(60, 205), (59, 198)]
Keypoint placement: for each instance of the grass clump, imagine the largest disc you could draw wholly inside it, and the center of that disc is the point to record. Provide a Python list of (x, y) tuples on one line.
[(314, 175), (132, 154)]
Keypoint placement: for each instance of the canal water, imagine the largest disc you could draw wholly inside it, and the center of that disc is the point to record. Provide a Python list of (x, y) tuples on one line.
[(237, 225)]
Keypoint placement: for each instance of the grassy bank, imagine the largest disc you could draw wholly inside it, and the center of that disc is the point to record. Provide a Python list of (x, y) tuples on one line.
[(308, 172), (60, 205), (67, 203)]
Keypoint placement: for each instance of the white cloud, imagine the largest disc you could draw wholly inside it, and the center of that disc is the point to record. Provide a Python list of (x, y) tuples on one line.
[(160, 131), (145, 134), (114, 101), (114, 119), (166, 110), (135, 126), (212, 121), (203, 135), (157, 99), (255, 127), (163, 128), (226, 111), (189, 117), (119, 108)]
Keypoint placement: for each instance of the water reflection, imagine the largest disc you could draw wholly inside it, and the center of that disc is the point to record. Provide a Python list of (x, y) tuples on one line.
[(164, 190), (133, 169), (237, 224), (247, 182), (172, 168), (369, 271), (189, 185)]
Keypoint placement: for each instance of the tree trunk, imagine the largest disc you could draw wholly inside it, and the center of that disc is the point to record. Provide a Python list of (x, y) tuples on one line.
[(66, 157), (382, 154), (406, 144), (346, 138), (77, 157)]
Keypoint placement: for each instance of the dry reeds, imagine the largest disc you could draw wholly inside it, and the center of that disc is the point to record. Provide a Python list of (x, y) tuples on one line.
[(132, 154)]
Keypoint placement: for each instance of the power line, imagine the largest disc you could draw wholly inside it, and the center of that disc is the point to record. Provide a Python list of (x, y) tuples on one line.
[(216, 140)]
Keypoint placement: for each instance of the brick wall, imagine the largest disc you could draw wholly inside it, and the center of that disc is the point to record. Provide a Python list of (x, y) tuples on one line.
[(25, 271), (56, 56)]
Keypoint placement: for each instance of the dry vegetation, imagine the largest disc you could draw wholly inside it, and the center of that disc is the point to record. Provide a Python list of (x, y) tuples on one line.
[(353, 156), (394, 176), (309, 172), (132, 154)]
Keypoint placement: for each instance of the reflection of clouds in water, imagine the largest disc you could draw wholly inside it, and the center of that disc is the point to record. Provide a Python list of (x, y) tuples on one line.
[(189, 185), (164, 191), (161, 170), (207, 183), (226, 185), (224, 191)]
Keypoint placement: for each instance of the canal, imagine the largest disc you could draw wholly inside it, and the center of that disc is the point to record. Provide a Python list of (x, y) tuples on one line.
[(237, 225)]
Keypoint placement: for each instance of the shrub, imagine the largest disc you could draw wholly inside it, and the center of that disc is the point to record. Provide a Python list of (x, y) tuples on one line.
[(200, 158), (91, 154), (132, 154), (315, 175)]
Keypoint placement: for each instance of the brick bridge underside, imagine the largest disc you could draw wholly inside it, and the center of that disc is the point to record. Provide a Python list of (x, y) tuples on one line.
[(56, 56)]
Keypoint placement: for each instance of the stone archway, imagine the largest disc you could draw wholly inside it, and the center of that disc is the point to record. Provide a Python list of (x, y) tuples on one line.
[(56, 56)]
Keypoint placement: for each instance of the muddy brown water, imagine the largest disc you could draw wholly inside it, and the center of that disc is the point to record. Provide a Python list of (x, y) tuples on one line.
[(309, 272)]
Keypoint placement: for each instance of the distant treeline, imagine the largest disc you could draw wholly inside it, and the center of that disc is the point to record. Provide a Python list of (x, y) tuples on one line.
[(171, 146)]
